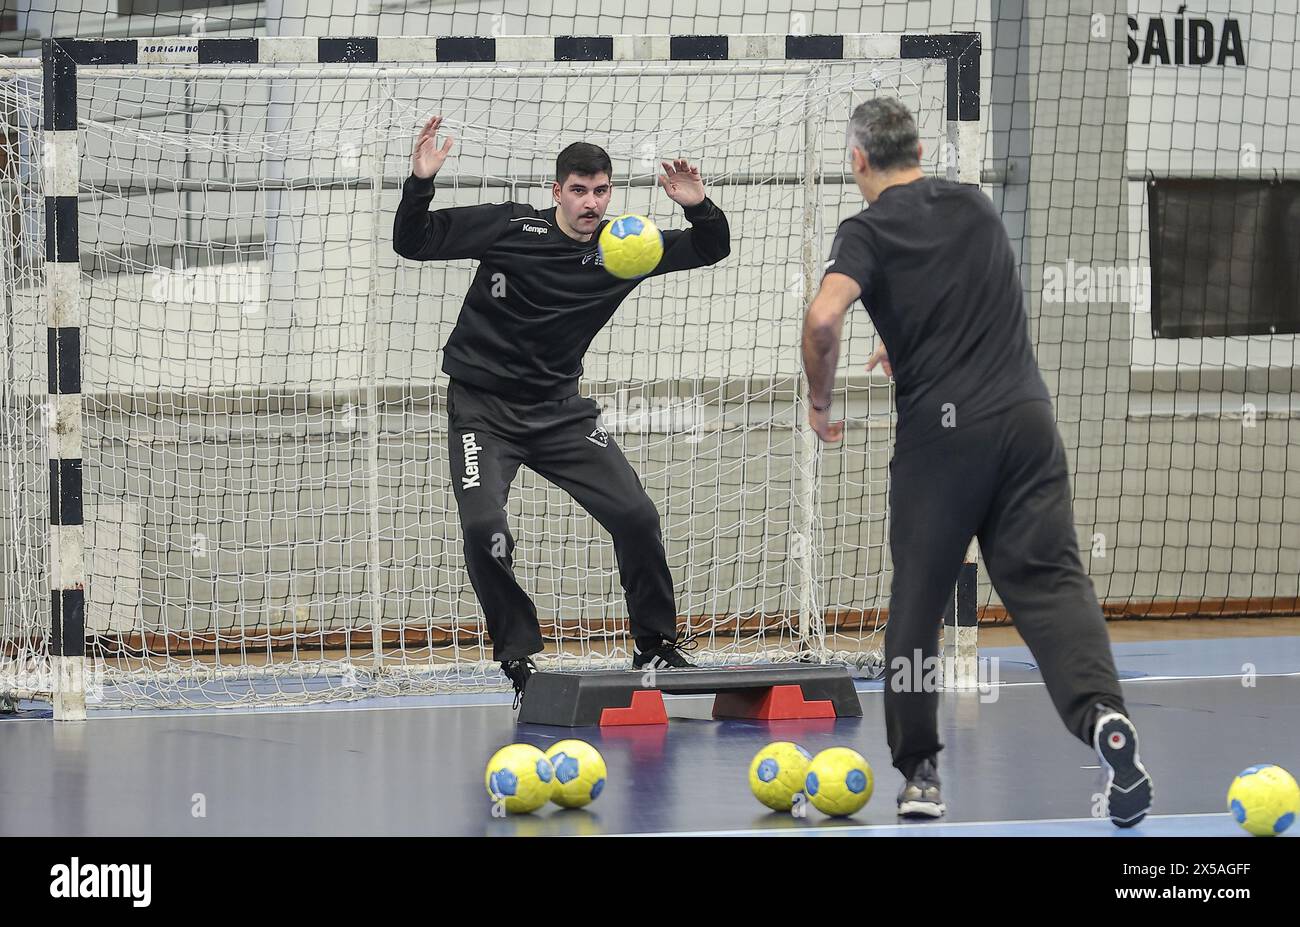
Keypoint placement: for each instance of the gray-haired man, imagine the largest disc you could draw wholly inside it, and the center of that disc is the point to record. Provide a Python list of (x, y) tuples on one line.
[(977, 451)]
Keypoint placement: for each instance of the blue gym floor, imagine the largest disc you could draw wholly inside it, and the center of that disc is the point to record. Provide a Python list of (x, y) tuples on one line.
[(414, 766)]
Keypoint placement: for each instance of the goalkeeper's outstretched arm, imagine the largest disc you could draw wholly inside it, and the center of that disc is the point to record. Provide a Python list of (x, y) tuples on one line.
[(445, 234)]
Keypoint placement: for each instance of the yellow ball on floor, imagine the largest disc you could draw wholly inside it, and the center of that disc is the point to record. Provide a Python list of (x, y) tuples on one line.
[(579, 773), (839, 781), (777, 773), (520, 778), (1265, 800)]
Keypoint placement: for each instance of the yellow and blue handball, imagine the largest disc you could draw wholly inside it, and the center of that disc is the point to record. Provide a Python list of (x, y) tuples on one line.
[(630, 247), (520, 777), (579, 773), (776, 775), (838, 782), (1264, 800)]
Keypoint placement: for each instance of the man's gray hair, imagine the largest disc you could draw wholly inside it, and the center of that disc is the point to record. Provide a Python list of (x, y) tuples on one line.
[(885, 131)]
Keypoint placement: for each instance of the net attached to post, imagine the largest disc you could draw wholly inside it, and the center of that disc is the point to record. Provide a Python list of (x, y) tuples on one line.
[(269, 515)]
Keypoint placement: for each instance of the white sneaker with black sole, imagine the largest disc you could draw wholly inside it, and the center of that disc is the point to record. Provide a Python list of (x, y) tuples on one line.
[(1128, 786)]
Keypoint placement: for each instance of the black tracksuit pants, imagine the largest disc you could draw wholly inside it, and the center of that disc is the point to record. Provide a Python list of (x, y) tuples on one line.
[(490, 436), (1003, 480)]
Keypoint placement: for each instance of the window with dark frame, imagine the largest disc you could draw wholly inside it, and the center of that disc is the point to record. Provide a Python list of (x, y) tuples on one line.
[(1225, 257)]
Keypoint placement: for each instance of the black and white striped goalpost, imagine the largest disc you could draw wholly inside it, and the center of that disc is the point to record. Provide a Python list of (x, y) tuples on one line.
[(62, 59), (67, 567)]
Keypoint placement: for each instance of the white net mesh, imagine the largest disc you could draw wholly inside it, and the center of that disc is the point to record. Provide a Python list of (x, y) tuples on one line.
[(268, 508), (24, 502)]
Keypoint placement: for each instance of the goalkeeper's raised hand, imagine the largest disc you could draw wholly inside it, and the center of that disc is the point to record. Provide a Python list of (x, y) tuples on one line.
[(428, 157), (682, 182)]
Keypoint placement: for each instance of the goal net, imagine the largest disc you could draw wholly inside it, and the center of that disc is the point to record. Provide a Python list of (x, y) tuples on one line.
[(268, 509)]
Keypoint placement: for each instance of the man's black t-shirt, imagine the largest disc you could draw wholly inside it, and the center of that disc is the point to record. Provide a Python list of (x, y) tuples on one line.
[(939, 280), (539, 297)]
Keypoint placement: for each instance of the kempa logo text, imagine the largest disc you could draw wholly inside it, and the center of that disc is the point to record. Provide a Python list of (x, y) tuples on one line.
[(472, 447), (103, 880)]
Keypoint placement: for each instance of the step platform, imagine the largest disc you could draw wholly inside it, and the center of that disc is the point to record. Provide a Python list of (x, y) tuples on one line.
[(623, 697)]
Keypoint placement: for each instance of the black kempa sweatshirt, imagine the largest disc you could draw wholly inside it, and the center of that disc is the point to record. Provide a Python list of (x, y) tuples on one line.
[(539, 297)]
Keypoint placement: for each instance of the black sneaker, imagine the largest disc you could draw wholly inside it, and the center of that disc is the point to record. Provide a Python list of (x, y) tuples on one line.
[(919, 797), (518, 671), (665, 654), (1128, 787)]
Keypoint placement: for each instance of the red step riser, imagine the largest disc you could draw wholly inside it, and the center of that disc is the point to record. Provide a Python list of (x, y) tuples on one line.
[(779, 703), (647, 708)]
